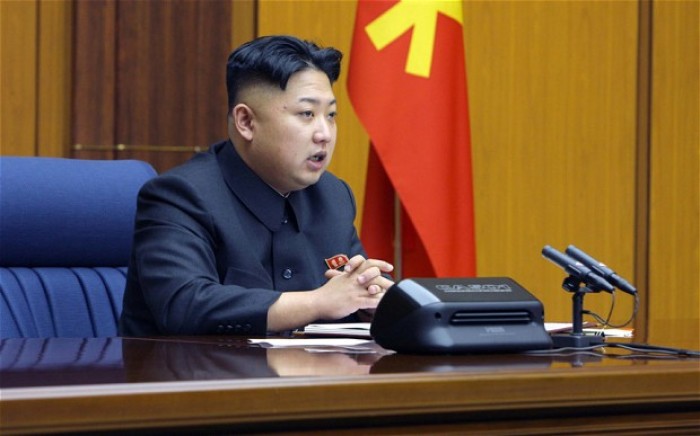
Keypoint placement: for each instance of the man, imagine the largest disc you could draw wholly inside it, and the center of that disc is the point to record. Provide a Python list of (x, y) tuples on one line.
[(247, 237)]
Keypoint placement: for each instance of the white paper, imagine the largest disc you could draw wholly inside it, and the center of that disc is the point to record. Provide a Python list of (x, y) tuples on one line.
[(350, 329), (311, 342), (610, 333), (556, 327), (342, 325)]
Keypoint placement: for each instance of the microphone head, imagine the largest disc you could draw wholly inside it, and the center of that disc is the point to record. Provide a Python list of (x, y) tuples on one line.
[(599, 283), (622, 284), (556, 256), (601, 269), (577, 269)]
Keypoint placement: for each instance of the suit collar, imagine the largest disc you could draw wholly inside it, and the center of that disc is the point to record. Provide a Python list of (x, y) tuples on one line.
[(263, 201)]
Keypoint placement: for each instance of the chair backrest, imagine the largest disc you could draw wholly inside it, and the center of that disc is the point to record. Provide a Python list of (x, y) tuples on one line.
[(66, 227)]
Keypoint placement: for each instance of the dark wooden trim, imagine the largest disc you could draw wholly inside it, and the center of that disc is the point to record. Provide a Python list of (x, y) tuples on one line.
[(641, 250)]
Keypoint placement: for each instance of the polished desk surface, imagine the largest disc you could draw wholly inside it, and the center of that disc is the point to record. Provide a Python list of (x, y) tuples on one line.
[(101, 384)]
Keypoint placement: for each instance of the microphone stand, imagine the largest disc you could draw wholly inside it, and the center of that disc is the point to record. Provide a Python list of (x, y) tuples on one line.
[(577, 339)]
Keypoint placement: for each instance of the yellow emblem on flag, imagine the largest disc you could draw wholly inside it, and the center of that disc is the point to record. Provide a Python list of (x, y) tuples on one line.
[(421, 15)]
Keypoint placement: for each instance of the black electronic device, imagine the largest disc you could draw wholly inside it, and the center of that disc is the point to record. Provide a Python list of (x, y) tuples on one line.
[(459, 315)]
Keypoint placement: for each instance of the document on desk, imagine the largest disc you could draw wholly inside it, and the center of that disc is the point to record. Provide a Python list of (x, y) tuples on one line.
[(589, 328), (344, 330), (352, 336), (321, 345), (311, 342)]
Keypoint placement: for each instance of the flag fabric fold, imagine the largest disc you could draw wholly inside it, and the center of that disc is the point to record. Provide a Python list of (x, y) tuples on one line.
[(407, 84)]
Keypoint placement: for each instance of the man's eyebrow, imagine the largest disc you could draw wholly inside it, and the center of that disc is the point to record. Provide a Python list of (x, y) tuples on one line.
[(315, 101)]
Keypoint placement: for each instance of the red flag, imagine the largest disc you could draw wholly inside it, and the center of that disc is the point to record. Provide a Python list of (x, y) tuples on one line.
[(407, 84)]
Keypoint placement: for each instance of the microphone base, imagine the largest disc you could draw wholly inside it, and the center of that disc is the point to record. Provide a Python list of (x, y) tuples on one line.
[(576, 341)]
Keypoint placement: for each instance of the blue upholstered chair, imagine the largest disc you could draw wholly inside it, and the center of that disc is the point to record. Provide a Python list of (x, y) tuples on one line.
[(65, 235)]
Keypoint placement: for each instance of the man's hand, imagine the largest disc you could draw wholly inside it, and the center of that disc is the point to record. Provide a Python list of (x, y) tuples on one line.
[(370, 273), (359, 286)]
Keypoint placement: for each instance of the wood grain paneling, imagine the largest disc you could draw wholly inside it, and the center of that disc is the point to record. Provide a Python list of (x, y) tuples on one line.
[(36, 77), (171, 81), (674, 242), (552, 88), (243, 21), (54, 78), (150, 76), (94, 76), (18, 73)]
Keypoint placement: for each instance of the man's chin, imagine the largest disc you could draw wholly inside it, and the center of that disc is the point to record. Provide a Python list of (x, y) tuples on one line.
[(308, 180)]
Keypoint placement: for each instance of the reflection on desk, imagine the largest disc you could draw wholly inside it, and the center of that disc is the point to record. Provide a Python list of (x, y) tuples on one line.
[(60, 361), (74, 361), (225, 384)]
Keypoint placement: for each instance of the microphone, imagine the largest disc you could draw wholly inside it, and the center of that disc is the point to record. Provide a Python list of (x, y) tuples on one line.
[(577, 269), (601, 269)]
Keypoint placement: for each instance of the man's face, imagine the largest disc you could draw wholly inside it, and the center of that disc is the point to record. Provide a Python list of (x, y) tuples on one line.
[(293, 131)]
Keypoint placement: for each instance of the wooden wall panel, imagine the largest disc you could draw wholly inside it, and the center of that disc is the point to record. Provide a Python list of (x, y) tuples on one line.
[(94, 77), (553, 109), (36, 77), (171, 77), (674, 242), (54, 77), (328, 23), (243, 21), (18, 72), (150, 79), (552, 94)]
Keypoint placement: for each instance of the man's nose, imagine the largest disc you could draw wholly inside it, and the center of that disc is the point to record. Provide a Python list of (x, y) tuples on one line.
[(324, 130)]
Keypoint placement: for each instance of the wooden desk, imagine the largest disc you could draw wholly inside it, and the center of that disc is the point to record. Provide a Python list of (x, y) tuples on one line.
[(223, 384)]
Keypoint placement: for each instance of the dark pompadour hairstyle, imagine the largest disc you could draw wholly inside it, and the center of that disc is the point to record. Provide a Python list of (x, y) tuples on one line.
[(273, 60)]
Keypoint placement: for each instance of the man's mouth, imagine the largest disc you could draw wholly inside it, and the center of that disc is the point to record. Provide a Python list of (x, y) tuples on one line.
[(318, 157)]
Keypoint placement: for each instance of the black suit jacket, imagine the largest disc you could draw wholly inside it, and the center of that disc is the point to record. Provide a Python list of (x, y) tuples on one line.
[(214, 246)]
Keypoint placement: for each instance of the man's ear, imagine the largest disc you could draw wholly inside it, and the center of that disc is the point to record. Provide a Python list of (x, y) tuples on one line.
[(242, 118)]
